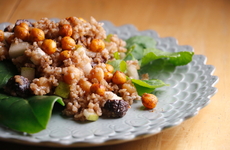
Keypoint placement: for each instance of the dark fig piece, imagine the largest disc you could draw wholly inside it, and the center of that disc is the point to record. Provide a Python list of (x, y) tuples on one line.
[(9, 28), (18, 86), (115, 108)]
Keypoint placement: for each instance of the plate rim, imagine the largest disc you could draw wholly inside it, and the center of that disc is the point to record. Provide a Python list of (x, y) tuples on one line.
[(136, 137)]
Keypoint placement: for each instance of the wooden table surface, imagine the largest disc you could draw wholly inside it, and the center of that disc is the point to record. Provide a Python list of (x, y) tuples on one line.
[(203, 24)]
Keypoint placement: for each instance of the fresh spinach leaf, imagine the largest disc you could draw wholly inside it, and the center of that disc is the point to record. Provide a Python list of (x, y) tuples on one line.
[(143, 49), (147, 86), (156, 69), (119, 65), (142, 41), (7, 70), (137, 44), (27, 115), (176, 58)]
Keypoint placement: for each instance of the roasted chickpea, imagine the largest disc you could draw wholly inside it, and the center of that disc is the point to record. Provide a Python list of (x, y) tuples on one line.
[(1, 35), (21, 32), (65, 55), (10, 38), (108, 76), (72, 75), (98, 89), (97, 45), (49, 46), (37, 34), (65, 30), (119, 77), (149, 100), (24, 25), (85, 85), (109, 68), (68, 43), (97, 73)]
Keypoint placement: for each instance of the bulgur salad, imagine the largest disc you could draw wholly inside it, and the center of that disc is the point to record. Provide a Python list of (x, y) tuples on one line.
[(76, 63)]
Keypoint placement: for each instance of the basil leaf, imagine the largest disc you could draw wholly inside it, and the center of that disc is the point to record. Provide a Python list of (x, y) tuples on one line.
[(119, 65), (176, 58), (7, 70), (147, 86), (27, 115)]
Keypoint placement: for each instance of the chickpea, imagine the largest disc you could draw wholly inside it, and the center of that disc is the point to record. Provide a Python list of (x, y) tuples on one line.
[(109, 68), (85, 85), (37, 34), (1, 35), (49, 46), (24, 25), (72, 75), (98, 89), (149, 100), (65, 30), (108, 76), (97, 73), (65, 55), (10, 38), (97, 45), (21, 32), (119, 77), (68, 43)]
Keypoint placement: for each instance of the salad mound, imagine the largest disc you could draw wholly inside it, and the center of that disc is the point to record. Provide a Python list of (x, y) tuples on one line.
[(76, 63)]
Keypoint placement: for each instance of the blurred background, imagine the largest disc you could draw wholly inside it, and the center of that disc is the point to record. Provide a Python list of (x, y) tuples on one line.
[(203, 24)]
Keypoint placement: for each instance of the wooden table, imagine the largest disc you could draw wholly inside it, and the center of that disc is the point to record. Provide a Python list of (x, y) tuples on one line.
[(203, 24)]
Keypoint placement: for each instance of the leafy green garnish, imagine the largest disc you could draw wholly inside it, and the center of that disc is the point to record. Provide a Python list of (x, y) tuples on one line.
[(119, 65), (143, 49), (135, 46), (7, 70), (147, 86), (27, 115), (176, 58)]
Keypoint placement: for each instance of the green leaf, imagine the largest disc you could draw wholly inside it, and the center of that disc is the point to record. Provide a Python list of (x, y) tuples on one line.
[(176, 58), (136, 45), (141, 41), (156, 69), (7, 70), (119, 65), (27, 115), (147, 86)]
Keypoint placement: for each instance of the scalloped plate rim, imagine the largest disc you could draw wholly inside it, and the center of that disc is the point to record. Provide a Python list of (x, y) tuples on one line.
[(12, 138)]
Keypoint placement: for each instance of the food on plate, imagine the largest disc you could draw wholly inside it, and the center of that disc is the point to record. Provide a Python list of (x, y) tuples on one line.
[(76, 63)]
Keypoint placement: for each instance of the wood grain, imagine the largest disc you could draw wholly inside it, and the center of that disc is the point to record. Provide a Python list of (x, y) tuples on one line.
[(6, 9), (205, 25)]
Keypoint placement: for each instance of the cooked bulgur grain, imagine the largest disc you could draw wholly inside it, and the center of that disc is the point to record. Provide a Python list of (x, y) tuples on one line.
[(73, 51)]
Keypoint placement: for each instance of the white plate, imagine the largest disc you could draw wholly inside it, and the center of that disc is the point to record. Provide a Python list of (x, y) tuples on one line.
[(190, 89)]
